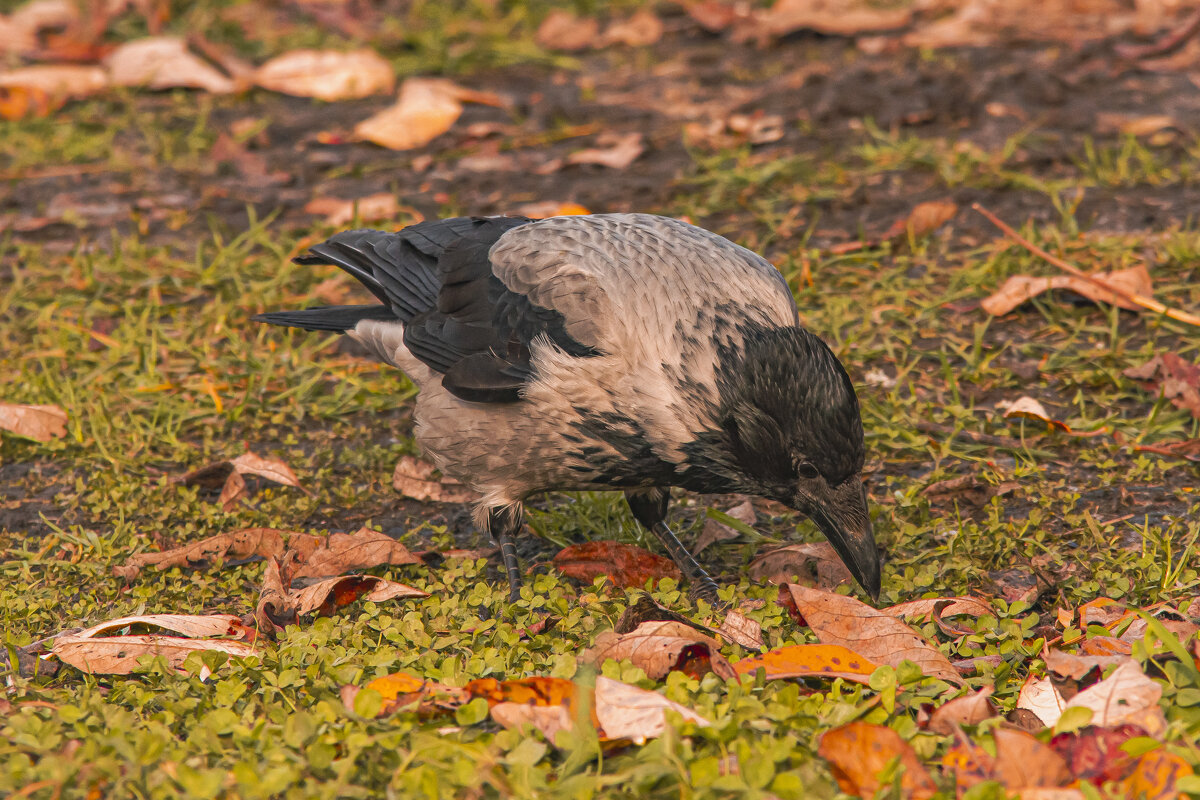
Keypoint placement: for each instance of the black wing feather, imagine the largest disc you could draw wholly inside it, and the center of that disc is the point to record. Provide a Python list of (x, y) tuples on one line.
[(459, 318)]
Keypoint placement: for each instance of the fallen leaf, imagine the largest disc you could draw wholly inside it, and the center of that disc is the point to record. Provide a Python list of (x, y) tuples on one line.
[(1094, 754), (659, 648), (1040, 697), (647, 609), (327, 74), (642, 29), (1028, 408), (1156, 777), (616, 151), (625, 565), (425, 109), (880, 637), (164, 62), (859, 751), (813, 563), (715, 531), (713, 15), (19, 30), (1076, 667), (925, 218), (19, 102), (562, 30), (39, 422), (550, 208), (1187, 449), (970, 489), (809, 661), (229, 476), (836, 17), (737, 627), (970, 709), (1125, 696), (549, 705), (419, 480), (627, 712), (89, 651), (756, 128), (338, 212), (363, 549), (925, 608), (326, 596), (401, 690), (1021, 763), (1020, 289), (57, 80), (1134, 125), (275, 609), (1178, 380), (245, 543)]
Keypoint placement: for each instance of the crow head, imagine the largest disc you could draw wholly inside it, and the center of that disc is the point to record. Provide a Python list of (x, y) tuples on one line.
[(793, 433)]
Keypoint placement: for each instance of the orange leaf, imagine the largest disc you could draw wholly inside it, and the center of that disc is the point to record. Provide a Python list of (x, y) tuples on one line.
[(40, 423), (809, 661), (1155, 776), (627, 566), (858, 752)]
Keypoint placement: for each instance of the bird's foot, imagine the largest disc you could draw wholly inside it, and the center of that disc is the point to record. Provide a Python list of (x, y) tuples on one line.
[(705, 588)]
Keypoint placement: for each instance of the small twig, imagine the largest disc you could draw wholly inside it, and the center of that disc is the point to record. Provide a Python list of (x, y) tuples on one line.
[(1136, 299), (1164, 46)]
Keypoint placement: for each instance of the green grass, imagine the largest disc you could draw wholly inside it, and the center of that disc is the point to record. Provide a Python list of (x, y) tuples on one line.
[(150, 350)]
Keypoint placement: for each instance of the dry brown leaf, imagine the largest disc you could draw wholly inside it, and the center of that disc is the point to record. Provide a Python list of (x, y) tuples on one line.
[(1177, 379), (970, 709), (1134, 125), (880, 637), (245, 543), (1187, 449), (713, 15), (625, 565), (1020, 289), (425, 109), (1040, 697), (91, 652), (812, 563), (1076, 667), (363, 549), (809, 661), (1022, 763), (1126, 696), (19, 30), (641, 29), (331, 594), (737, 627), (229, 476), (419, 480), (925, 608), (562, 30), (327, 74), (859, 751), (970, 489), (616, 151), (270, 468), (118, 655), (39, 422), (925, 218), (836, 17), (18, 103), (164, 62), (275, 609), (659, 648), (627, 712), (57, 80), (338, 212), (1028, 408)]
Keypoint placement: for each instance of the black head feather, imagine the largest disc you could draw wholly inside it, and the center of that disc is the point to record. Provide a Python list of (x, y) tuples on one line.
[(787, 408)]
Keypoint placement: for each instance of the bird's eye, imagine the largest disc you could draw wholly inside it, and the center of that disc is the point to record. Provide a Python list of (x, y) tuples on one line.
[(806, 470)]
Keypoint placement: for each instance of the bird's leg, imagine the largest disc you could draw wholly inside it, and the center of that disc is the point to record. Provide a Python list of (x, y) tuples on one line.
[(649, 506), (503, 523)]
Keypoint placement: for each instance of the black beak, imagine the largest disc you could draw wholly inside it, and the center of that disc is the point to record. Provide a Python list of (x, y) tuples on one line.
[(846, 523)]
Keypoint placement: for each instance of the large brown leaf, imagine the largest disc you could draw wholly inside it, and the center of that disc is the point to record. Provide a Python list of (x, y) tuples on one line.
[(245, 543), (815, 563), (1021, 762), (1022, 288), (327, 74), (40, 423), (876, 635), (362, 549), (164, 62), (1177, 379), (90, 651), (859, 751), (625, 565), (970, 709), (660, 647)]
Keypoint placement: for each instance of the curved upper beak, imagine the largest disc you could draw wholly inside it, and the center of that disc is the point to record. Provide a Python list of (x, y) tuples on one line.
[(843, 517)]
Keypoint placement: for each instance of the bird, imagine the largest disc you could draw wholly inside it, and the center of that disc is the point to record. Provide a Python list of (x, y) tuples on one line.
[(630, 352)]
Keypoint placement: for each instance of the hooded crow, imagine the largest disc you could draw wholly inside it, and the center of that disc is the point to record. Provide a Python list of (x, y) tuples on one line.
[(611, 351)]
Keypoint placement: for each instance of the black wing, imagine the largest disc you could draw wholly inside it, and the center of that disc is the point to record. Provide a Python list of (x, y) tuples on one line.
[(459, 318)]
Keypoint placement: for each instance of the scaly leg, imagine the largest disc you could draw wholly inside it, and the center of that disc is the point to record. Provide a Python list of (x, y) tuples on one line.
[(649, 506), (503, 523)]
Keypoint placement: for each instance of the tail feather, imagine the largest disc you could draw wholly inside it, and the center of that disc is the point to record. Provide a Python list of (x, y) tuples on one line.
[(326, 318)]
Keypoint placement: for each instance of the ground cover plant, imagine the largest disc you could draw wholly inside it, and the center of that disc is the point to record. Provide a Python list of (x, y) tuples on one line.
[(226, 572)]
